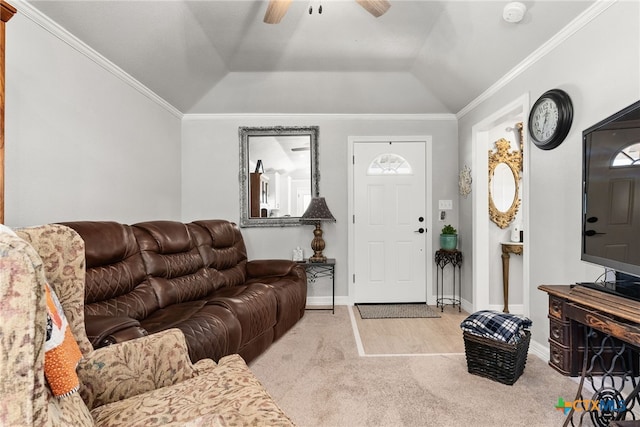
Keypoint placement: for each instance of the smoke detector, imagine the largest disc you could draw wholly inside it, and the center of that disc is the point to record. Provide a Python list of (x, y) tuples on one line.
[(514, 12)]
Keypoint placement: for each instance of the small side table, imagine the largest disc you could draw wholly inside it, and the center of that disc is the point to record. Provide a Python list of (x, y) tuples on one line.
[(316, 270), (507, 248), (443, 258)]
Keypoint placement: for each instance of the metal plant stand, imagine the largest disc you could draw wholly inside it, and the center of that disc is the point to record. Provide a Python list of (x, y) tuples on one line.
[(443, 258), (316, 270)]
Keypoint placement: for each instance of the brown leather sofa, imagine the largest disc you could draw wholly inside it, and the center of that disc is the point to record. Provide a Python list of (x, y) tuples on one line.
[(152, 276)]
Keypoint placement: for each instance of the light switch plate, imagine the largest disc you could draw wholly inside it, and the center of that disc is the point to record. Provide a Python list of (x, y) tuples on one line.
[(445, 205)]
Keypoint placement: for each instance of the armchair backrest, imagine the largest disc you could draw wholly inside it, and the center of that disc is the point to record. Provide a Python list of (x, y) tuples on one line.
[(61, 250), (25, 398), (22, 322)]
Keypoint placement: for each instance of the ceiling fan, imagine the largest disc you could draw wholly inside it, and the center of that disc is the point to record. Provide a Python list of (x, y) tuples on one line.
[(278, 8)]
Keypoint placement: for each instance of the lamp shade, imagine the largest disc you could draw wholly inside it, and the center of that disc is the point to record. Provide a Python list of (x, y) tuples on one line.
[(317, 211)]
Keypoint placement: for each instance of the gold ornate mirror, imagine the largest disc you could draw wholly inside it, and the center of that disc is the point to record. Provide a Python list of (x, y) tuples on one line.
[(504, 182)]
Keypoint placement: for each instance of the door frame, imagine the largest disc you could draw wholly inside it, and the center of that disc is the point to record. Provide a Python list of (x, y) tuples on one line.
[(480, 205), (428, 253)]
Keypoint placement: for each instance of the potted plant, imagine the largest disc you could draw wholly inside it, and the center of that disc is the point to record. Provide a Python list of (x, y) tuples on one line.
[(448, 238)]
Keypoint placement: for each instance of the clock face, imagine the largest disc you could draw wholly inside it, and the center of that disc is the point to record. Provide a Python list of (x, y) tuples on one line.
[(550, 119), (545, 120)]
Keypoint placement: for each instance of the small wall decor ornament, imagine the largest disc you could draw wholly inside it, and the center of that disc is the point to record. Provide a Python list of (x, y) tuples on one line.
[(464, 182)]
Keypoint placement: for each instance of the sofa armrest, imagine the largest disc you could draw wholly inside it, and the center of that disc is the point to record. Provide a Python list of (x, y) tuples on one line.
[(133, 367), (106, 330), (275, 267)]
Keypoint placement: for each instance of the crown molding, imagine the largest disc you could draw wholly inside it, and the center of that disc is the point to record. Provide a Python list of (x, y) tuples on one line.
[(33, 14), (573, 27), (280, 116)]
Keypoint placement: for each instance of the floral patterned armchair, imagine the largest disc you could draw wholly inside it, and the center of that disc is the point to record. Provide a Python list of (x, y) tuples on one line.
[(143, 382)]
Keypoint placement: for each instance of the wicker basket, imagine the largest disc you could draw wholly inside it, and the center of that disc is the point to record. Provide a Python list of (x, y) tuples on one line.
[(494, 359)]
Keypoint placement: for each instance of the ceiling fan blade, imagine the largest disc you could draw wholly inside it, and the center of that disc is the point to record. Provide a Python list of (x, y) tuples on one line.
[(276, 11), (375, 7)]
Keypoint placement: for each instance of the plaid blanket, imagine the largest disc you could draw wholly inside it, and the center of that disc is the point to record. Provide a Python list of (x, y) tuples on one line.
[(500, 326)]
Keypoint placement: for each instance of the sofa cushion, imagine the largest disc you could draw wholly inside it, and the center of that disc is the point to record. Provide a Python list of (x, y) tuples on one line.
[(116, 281), (176, 269), (211, 331), (255, 306), (222, 248)]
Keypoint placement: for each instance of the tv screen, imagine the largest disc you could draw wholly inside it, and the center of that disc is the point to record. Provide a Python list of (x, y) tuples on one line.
[(611, 193)]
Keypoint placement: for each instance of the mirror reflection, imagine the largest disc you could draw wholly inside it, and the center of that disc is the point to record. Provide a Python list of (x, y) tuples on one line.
[(504, 183), (503, 188), (278, 174)]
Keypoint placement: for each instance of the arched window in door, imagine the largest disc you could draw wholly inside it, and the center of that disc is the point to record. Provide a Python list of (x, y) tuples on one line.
[(389, 164), (628, 156)]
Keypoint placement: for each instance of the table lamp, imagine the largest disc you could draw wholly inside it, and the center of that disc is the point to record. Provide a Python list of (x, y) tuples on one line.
[(315, 214)]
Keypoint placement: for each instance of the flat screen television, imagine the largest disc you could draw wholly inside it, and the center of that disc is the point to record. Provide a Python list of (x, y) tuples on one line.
[(611, 200)]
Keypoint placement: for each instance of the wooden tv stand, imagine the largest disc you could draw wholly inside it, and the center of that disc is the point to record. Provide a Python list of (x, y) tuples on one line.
[(573, 308), (594, 334)]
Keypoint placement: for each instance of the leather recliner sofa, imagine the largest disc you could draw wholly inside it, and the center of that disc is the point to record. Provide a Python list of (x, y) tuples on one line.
[(152, 276)]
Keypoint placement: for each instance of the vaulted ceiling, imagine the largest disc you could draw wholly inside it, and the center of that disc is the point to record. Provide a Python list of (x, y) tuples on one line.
[(428, 57)]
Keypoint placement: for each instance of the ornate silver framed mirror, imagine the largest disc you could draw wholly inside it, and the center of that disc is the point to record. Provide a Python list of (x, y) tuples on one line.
[(278, 174)]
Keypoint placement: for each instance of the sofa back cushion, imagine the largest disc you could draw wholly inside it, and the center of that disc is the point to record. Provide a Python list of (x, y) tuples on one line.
[(222, 248), (116, 281), (175, 266)]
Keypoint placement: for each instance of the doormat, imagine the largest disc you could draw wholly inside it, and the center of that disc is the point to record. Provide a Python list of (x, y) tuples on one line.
[(395, 311)]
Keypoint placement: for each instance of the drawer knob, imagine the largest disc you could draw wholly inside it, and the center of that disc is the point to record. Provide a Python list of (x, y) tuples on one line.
[(556, 357), (555, 308)]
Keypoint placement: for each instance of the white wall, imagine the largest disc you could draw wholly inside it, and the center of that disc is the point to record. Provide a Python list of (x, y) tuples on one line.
[(599, 66), (81, 144), (210, 166)]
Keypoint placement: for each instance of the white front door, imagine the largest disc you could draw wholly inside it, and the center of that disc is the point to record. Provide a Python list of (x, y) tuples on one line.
[(390, 227)]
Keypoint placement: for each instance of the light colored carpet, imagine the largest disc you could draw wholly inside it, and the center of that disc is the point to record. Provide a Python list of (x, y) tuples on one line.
[(315, 374), (395, 311)]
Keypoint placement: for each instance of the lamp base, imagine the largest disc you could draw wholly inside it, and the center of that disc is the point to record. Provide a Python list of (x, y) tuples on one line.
[(317, 244)]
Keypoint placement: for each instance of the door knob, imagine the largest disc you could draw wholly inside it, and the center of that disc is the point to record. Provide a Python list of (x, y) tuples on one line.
[(419, 230), (592, 233)]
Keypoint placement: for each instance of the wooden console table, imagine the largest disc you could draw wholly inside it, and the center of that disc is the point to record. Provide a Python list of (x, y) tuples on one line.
[(596, 335), (508, 248)]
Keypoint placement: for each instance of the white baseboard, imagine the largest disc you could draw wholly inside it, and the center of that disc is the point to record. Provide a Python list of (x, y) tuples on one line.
[(326, 300), (540, 350), (343, 300)]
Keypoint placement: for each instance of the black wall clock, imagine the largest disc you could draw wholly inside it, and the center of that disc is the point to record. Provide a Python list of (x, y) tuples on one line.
[(550, 119)]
